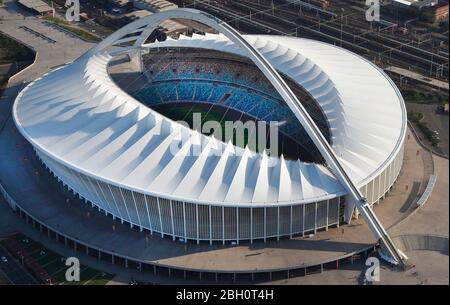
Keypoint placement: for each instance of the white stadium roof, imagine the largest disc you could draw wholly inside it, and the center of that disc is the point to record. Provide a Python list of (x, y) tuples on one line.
[(77, 115)]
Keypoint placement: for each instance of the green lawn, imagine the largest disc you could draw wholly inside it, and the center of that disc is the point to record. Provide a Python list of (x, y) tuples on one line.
[(185, 113), (10, 52), (417, 119), (416, 96), (80, 33)]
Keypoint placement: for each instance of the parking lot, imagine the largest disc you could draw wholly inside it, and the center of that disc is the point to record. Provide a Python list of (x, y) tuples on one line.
[(437, 121)]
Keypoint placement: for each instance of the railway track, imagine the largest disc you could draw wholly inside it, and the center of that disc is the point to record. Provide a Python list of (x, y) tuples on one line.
[(346, 30), (381, 45)]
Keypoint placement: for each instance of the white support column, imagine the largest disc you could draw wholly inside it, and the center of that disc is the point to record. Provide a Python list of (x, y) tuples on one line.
[(303, 222), (148, 214), (328, 213), (388, 177), (338, 211), (171, 219), (373, 192), (379, 188), (251, 225), (237, 225), (125, 204), (160, 218), (265, 224), (278, 223), (115, 202), (196, 219), (103, 194), (137, 212), (99, 199), (210, 225), (315, 218), (223, 225), (184, 222), (290, 223)]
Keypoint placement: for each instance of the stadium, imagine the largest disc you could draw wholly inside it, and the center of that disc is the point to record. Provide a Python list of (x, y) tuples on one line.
[(105, 123)]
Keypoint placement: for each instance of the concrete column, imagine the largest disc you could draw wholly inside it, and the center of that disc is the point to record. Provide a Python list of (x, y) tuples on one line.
[(196, 218), (251, 225), (237, 225), (265, 224), (315, 218), (278, 223), (290, 224)]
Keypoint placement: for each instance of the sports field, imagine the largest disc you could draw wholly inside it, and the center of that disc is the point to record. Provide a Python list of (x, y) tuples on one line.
[(185, 113), (53, 263), (182, 111)]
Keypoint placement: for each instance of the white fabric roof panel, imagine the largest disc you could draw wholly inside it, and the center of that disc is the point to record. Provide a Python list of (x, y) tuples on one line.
[(78, 116)]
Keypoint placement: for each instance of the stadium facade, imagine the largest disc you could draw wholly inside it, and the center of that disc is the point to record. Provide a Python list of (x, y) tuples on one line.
[(111, 147)]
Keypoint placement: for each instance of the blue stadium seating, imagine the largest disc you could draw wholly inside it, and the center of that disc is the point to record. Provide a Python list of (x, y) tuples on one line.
[(252, 97)]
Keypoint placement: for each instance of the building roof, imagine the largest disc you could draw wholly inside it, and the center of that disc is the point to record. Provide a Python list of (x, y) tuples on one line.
[(96, 128), (170, 26), (155, 5), (37, 5)]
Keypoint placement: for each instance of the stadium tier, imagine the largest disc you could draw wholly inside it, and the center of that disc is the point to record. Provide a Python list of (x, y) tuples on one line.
[(101, 125)]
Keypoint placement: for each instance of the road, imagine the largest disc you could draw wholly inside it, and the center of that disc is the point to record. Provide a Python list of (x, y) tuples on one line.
[(13, 271)]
